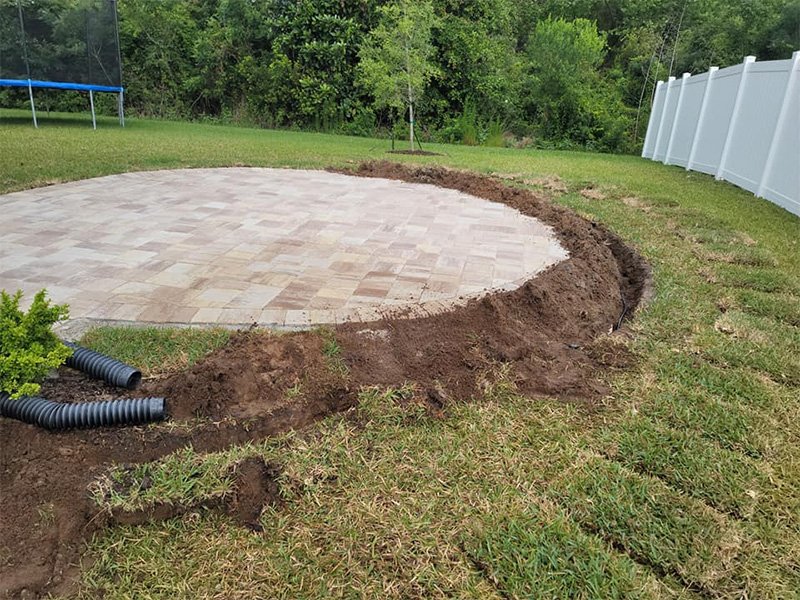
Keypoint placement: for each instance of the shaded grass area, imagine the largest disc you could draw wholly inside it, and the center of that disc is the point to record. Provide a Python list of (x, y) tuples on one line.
[(687, 483)]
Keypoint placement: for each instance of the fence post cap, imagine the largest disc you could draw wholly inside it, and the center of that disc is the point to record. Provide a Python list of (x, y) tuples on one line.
[(686, 76), (749, 59)]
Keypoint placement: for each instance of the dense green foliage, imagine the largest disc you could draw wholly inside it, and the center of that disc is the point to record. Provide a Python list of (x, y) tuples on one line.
[(560, 73), (28, 347)]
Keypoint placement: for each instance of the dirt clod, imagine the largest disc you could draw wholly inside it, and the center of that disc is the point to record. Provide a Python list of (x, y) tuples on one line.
[(254, 489)]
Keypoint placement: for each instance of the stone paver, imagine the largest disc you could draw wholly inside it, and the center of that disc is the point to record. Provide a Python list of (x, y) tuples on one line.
[(271, 246)]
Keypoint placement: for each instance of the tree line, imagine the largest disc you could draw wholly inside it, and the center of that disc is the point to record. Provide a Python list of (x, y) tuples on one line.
[(549, 73)]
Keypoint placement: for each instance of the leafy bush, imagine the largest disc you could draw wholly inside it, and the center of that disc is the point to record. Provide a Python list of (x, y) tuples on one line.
[(568, 97), (28, 347), (495, 135)]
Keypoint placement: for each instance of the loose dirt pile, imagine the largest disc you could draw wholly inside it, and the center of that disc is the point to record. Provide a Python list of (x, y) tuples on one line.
[(545, 328), (548, 333), (252, 376)]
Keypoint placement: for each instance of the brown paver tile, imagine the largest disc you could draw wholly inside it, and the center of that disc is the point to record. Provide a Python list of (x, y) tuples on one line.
[(273, 246)]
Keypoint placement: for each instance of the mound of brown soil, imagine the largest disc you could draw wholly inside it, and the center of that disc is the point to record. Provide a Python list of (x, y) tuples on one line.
[(252, 376), (259, 385), (545, 328)]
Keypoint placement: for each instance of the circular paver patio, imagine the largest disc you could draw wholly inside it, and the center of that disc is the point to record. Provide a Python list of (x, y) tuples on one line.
[(276, 247)]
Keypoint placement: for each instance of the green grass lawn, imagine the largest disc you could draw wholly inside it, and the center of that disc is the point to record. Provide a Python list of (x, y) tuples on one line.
[(685, 484)]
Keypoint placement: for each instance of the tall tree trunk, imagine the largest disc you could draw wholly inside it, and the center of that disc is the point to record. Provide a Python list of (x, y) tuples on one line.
[(411, 121)]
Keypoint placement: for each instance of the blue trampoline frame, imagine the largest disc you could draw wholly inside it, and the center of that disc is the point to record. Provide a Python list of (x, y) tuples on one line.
[(63, 85), (78, 87)]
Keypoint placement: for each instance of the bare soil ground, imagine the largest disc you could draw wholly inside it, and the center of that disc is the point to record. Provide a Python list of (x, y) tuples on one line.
[(550, 333)]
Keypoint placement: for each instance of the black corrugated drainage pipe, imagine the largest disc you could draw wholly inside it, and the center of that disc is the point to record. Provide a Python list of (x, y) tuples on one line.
[(103, 367), (57, 415)]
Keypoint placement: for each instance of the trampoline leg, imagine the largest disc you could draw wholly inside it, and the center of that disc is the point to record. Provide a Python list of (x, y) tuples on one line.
[(121, 108), (91, 103), (33, 106)]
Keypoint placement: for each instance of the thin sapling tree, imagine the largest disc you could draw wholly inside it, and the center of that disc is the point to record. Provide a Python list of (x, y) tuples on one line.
[(395, 61)]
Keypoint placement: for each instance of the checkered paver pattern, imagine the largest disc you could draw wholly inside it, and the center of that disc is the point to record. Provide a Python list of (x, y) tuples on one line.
[(271, 246)]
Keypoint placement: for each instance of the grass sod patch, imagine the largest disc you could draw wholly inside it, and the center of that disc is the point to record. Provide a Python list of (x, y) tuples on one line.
[(656, 525), (784, 308), (155, 350), (735, 254), (181, 478), (731, 425), (767, 280), (372, 507), (541, 555), (726, 480), (740, 339), (737, 385)]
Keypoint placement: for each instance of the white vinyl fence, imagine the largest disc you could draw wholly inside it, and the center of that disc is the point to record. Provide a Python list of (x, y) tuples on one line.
[(741, 124)]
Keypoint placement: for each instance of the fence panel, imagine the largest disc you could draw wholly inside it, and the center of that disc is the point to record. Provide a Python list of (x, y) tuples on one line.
[(714, 132), (655, 115), (741, 124), (667, 118), (755, 125), (684, 129)]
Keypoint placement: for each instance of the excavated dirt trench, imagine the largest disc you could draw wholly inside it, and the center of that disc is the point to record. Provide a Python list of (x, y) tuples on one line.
[(549, 332)]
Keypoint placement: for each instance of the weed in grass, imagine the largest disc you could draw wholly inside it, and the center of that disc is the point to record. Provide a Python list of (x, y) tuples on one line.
[(47, 515), (332, 352), (497, 383), (295, 391)]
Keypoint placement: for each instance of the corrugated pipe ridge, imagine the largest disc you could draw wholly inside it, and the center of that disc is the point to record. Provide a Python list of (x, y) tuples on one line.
[(103, 367), (57, 415)]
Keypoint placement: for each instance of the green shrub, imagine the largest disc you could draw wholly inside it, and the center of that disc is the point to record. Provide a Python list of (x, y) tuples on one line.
[(469, 124), (28, 347), (495, 135)]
